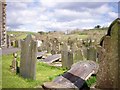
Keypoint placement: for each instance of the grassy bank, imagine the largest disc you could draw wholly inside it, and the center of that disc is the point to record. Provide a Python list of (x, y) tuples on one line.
[(44, 73)]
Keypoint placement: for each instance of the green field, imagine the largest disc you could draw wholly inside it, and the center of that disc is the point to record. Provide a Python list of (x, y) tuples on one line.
[(19, 34)]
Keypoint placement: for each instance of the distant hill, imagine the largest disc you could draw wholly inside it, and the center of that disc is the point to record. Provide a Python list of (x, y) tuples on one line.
[(87, 33), (16, 35)]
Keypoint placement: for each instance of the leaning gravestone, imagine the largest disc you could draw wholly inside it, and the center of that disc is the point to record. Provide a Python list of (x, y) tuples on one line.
[(28, 58), (108, 76)]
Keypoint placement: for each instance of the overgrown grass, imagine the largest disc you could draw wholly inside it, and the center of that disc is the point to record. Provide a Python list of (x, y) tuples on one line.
[(91, 81), (44, 73)]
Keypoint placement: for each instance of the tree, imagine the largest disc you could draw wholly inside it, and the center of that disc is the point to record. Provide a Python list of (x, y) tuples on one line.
[(98, 26)]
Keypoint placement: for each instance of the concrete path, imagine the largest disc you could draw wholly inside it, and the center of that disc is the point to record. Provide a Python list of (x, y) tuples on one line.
[(6, 51)]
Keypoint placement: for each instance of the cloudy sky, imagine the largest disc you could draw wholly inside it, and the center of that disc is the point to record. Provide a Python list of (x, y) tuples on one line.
[(44, 15)]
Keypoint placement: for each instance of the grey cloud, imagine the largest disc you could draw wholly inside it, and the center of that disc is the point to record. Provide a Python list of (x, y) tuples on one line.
[(77, 6)]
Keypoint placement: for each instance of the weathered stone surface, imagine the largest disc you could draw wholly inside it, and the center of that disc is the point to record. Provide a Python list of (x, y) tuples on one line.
[(91, 53), (52, 58), (64, 54), (67, 57), (78, 55), (28, 58), (75, 77), (109, 58), (40, 54), (70, 59), (84, 52), (16, 43), (14, 63)]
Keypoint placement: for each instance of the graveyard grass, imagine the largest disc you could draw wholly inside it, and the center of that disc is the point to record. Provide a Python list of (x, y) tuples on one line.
[(44, 73)]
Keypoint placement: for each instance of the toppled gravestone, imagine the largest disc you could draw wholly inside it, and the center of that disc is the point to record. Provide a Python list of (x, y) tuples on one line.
[(40, 54), (75, 77), (108, 76), (52, 58)]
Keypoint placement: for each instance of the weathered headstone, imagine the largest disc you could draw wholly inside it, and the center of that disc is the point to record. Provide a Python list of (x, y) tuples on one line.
[(55, 46), (64, 54), (52, 58), (84, 52), (28, 58), (67, 57), (70, 59), (14, 65), (75, 78), (108, 76), (91, 53), (78, 55), (19, 43), (40, 54), (16, 43)]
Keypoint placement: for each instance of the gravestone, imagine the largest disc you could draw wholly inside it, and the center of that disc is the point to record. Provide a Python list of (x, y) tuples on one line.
[(52, 58), (19, 43), (64, 54), (16, 43), (43, 46), (108, 76), (55, 46), (91, 53), (70, 59), (28, 58), (84, 52), (75, 78), (77, 53), (67, 57), (40, 54), (74, 47), (14, 65), (79, 43)]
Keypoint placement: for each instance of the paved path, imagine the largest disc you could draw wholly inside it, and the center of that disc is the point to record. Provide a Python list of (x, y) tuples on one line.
[(13, 50), (9, 51)]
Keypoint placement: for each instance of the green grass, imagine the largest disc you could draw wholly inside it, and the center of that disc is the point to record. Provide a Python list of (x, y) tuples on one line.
[(44, 73), (91, 81)]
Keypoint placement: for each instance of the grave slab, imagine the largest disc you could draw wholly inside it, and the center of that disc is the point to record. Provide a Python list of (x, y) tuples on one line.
[(52, 58), (75, 77)]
